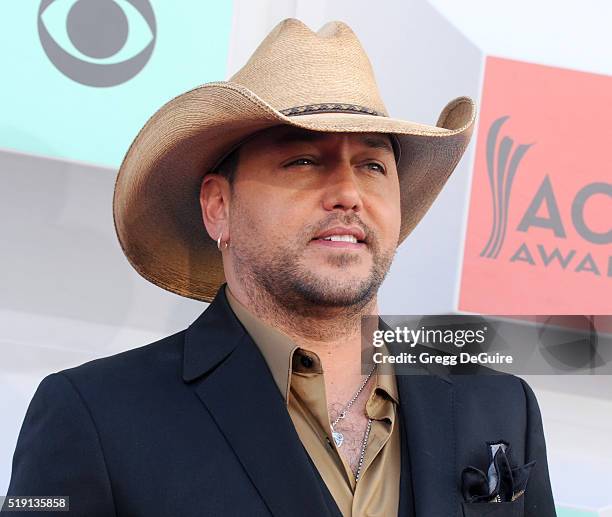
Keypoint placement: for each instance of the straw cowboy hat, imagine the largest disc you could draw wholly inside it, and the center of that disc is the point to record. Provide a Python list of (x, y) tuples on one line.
[(320, 81)]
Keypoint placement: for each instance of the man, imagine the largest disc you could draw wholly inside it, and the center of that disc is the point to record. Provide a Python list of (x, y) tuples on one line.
[(281, 196)]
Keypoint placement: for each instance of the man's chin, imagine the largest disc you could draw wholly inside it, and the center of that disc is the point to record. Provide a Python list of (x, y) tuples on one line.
[(342, 266), (331, 291), (340, 278)]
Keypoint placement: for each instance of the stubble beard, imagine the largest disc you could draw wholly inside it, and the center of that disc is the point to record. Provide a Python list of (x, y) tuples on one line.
[(277, 276)]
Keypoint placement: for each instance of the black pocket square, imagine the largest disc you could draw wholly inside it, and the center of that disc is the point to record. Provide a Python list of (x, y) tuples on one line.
[(501, 483)]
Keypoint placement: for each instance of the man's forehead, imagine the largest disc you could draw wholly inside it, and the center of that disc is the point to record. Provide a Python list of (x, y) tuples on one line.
[(285, 135)]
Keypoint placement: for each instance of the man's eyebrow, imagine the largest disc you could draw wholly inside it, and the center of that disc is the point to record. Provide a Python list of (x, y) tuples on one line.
[(374, 141), (378, 142)]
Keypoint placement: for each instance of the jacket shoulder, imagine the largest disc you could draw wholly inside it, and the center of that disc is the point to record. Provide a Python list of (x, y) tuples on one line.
[(153, 360)]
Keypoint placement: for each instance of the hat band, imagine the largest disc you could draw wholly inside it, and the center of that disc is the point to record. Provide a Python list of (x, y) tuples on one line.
[(330, 108)]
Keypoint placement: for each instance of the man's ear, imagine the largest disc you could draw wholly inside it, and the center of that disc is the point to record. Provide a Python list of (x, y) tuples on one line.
[(214, 203)]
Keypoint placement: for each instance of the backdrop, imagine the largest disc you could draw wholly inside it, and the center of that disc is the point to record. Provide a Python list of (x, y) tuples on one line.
[(522, 227)]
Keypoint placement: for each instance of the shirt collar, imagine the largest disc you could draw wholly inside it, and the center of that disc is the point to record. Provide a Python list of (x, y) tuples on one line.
[(388, 383)]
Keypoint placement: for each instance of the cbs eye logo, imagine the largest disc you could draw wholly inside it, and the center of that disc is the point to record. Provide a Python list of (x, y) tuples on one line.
[(97, 42)]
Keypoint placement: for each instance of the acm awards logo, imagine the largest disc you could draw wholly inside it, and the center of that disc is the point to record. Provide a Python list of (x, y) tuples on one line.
[(502, 167), (97, 42)]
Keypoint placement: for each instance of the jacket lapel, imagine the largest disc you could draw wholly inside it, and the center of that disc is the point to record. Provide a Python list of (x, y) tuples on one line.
[(427, 406), (232, 380), (427, 411)]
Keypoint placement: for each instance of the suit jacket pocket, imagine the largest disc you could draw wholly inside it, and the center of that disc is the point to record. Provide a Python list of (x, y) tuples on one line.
[(507, 509)]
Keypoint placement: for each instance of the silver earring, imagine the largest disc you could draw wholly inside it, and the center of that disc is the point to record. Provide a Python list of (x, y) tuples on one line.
[(225, 244)]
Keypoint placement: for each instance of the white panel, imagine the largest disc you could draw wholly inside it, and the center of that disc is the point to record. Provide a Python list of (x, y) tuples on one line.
[(251, 21), (578, 431), (561, 33)]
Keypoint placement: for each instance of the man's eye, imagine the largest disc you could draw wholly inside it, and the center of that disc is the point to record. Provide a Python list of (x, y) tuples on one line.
[(376, 167), (301, 161)]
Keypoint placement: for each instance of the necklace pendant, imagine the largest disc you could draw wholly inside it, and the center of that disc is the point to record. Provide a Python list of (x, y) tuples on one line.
[(338, 438)]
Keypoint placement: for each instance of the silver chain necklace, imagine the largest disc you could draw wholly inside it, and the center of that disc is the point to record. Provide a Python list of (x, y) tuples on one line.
[(339, 437)]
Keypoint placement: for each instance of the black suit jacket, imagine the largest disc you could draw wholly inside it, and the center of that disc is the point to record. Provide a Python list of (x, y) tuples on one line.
[(194, 425)]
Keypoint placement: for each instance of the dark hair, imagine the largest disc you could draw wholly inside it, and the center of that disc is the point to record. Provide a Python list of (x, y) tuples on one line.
[(228, 167)]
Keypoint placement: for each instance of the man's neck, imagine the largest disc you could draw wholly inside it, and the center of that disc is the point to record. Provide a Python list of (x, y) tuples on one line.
[(333, 333)]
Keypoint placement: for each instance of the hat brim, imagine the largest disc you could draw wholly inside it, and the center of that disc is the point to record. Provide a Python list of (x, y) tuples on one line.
[(156, 207)]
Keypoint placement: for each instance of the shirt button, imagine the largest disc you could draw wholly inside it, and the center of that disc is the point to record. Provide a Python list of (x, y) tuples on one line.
[(306, 361)]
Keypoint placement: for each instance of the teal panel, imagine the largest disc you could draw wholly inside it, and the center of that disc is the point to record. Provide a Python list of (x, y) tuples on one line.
[(572, 512), (79, 83)]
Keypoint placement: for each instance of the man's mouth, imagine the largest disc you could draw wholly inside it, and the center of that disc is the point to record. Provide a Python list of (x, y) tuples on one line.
[(351, 234), (339, 241), (347, 238), (340, 238)]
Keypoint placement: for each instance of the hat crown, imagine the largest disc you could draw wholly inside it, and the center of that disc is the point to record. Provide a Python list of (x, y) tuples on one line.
[(294, 66)]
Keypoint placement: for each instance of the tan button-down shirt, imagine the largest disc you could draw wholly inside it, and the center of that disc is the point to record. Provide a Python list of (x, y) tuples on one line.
[(303, 387)]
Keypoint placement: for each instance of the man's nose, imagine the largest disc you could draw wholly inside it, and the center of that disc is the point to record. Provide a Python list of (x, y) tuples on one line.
[(342, 189)]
